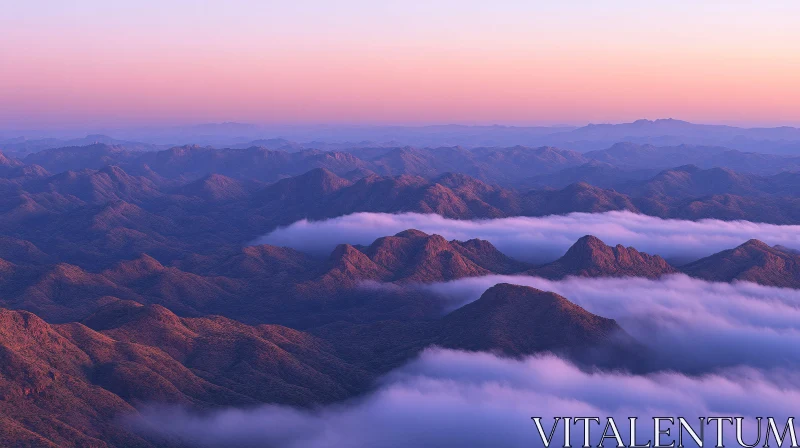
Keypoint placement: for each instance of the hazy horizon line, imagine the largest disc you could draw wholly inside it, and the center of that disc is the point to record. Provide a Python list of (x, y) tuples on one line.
[(99, 129)]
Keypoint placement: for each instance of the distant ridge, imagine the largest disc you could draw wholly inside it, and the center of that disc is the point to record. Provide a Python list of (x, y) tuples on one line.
[(662, 132)]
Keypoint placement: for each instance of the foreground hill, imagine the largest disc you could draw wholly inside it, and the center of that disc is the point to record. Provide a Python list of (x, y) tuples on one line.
[(47, 398), (66, 385)]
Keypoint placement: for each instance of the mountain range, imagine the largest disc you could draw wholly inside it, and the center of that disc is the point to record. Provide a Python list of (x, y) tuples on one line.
[(96, 217), (129, 277), (120, 344), (659, 132)]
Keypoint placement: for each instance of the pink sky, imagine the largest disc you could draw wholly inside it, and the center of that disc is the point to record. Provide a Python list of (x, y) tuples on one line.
[(515, 62)]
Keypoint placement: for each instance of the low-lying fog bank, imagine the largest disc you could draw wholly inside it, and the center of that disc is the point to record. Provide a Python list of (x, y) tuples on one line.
[(544, 239), (722, 349), (450, 398)]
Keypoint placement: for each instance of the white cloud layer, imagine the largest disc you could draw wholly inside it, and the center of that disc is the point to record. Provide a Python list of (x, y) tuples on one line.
[(724, 349), (456, 399), (542, 239)]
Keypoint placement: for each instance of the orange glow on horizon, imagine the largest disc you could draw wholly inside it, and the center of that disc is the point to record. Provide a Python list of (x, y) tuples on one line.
[(514, 77)]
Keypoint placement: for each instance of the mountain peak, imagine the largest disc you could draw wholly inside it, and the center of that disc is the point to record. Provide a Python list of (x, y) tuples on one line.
[(414, 256), (587, 250), (588, 243), (347, 267), (753, 261), (755, 243), (520, 320), (411, 233), (591, 257), (342, 251)]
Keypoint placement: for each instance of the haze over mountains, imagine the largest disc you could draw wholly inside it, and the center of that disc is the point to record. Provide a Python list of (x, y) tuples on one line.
[(660, 132), (132, 273)]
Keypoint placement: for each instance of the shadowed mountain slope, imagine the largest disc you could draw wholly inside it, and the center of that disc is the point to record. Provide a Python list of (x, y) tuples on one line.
[(67, 385)]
